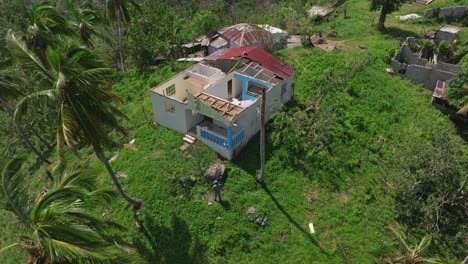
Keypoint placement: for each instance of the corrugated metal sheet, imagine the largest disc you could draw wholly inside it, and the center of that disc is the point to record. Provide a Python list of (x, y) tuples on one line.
[(247, 35), (265, 59), (439, 90)]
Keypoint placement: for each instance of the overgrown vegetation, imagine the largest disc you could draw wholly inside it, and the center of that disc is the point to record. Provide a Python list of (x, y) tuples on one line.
[(355, 151)]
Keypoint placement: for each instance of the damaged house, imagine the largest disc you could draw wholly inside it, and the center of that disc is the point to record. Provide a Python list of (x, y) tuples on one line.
[(238, 36), (420, 69), (217, 100)]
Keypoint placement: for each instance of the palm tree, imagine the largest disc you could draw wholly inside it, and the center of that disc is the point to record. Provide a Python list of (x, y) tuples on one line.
[(117, 13), (46, 27), (10, 87), (76, 89), (59, 227), (411, 254), (85, 19)]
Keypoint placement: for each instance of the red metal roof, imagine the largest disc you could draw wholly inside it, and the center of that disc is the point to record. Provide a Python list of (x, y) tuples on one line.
[(247, 35), (266, 60)]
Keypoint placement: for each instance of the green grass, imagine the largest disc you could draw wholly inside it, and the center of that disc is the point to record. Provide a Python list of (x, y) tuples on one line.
[(347, 196), (348, 204)]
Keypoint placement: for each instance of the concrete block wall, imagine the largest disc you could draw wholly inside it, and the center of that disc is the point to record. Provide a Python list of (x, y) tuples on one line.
[(455, 12), (426, 76)]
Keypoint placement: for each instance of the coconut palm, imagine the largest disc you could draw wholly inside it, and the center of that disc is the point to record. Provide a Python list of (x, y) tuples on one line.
[(75, 88), (46, 27), (10, 87), (411, 254), (58, 225), (85, 19), (117, 13)]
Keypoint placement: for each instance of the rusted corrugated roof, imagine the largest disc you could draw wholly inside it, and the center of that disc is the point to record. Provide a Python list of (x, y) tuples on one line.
[(265, 59), (246, 35), (223, 107)]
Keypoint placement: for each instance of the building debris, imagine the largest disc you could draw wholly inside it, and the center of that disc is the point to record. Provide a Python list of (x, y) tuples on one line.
[(251, 210), (121, 174), (410, 17)]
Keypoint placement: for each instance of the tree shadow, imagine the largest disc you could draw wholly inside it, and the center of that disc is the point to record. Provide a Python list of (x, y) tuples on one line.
[(249, 157), (398, 33), (304, 232), (169, 244)]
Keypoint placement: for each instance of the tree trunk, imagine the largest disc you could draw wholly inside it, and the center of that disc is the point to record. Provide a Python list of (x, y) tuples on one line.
[(31, 128), (383, 15), (120, 45), (34, 131), (136, 203), (23, 133)]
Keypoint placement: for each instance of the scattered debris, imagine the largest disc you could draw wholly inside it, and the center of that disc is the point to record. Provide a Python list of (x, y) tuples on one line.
[(362, 46), (319, 11), (294, 41), (343, 198), (114, 157), (121, 174), (195, 59), (260, 220), (332, 33), (215, 172), (131, 145), (311, 227), (424, 1), (280, 236), (409, 17), (219, 218), (184, 146), (251, 210)]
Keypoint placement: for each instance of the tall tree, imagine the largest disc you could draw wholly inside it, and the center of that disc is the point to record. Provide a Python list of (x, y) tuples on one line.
[(75, 87), (117, 13), (386, 7), (45, 27), (457, 92), (58, 225), (10, 87), (86, 20)]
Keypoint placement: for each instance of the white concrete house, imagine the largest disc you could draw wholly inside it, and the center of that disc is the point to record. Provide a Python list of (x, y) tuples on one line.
[(217, 100)]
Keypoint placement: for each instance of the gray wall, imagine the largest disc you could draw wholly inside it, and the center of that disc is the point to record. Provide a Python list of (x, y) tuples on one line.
[(456, 11), (176, 120), (426, 76), (417, 71)]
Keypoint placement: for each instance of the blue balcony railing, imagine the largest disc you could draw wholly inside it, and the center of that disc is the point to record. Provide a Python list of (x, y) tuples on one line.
[(221, 140), (238, 138), (213, 137)]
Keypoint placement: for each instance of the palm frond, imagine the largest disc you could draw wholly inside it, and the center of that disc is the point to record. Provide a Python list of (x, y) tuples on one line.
[(14, 191), (34, 100), (463, 110), (21, 52), (8, 247), (396, 230)]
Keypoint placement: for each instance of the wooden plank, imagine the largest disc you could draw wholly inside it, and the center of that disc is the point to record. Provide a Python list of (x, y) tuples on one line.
[(188, 140), (191, 137)]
